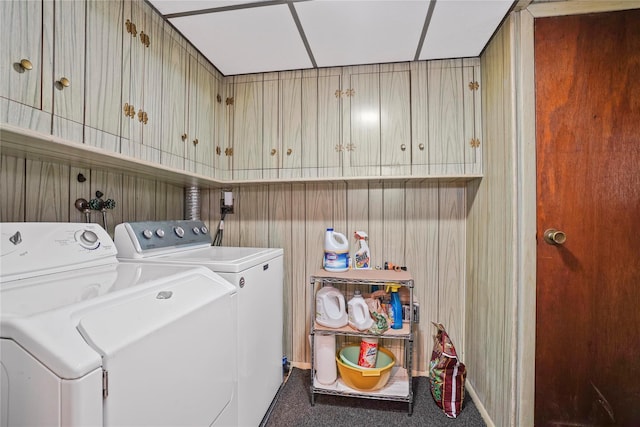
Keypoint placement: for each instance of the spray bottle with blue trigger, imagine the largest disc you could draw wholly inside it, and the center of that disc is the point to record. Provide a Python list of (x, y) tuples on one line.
[(396, 305)]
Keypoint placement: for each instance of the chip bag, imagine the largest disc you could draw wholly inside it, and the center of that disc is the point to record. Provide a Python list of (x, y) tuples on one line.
[(380, 319), (446, 374)]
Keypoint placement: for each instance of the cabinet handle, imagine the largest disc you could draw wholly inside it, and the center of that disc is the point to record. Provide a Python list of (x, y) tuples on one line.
[(403, 147), (475, 142), (140, 115), (289, 151), (131, 28), (273, 151), (421, 147), (129, 110), (145, 118), (218, 150), (184, 136), (26, 65), (144, 39), (474, 85), (64, 82), (228, 151), (195, 141)]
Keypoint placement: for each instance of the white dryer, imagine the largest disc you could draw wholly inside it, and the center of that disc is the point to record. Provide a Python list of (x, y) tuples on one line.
[(257, 274), (88, 341)]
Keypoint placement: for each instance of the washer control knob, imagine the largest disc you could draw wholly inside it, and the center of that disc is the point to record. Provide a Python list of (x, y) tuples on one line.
[(160, 232), (204, 229), (196, 230), (88, 239), (179, 231), (147, 234)]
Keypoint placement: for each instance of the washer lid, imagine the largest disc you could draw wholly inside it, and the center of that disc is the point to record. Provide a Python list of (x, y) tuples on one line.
[(223, 259), (41, 313)]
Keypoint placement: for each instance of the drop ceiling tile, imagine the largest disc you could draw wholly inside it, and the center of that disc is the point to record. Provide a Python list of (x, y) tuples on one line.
[(167, 7), (362, 31), (241, 41), (461, 28)]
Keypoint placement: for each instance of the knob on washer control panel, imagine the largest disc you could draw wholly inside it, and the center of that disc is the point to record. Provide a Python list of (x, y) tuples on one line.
[(88, 239), (179, 231)]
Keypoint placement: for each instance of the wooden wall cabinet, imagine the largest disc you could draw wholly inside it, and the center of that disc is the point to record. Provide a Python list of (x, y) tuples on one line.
[(175, 71), (104, 109), (22, 102), (320, 123), (246, 138), (63, 76), (203, 91), (142, 82), (446, 119), (282, 146)]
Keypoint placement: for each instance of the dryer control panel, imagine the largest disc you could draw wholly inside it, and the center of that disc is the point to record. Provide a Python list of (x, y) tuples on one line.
[(138, 239)]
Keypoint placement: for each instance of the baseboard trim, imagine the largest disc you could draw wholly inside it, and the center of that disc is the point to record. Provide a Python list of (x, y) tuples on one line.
[(476, 400)]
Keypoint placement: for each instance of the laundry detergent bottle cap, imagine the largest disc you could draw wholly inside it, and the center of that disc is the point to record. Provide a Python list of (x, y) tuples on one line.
[(336, 251), (359, 317), (362, 258), (331, 309), (396, 305)]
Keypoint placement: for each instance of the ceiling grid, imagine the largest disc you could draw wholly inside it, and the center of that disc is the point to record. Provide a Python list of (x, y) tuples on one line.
[(243, 37)]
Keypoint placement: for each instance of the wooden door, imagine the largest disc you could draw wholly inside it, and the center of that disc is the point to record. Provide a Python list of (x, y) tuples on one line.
[(588, 159)]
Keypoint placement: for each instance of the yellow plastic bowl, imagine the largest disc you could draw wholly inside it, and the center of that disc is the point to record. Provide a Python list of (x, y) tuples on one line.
[(365, 379)]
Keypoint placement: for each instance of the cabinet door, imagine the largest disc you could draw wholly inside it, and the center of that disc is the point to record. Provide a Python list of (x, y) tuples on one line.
[(104, 110), (225, 130), (247, 127), (473, 116), (20, 87), (142, 80), (395, 120), (174, 99), (361, 125), (419, 118), (290, 124), (201, 117), (68, 70), (446, 125), (449, 148), (282, 125), (271, 144), (329, 122)]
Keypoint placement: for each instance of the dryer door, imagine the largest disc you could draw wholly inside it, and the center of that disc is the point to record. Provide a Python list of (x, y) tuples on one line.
[(169, 353)]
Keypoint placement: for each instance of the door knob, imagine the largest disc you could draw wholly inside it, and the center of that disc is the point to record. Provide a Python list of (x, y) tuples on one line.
[(554, 237)]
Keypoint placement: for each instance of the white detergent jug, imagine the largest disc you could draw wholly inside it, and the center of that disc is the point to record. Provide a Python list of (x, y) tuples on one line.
[(331, 310), (359, 317), (336, 251)]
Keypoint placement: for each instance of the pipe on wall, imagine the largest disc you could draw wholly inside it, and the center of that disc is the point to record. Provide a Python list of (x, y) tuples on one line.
[(192, 203)]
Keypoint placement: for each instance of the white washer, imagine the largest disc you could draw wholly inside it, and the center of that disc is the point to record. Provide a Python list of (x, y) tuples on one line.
[(88, 341), (258, 275)]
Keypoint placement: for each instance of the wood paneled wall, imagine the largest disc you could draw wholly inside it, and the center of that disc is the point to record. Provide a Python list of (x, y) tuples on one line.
[(39, 191), (492, 242), (420, 224)]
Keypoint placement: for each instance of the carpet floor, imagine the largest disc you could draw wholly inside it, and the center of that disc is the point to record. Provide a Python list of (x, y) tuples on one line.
[(292, 407)]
